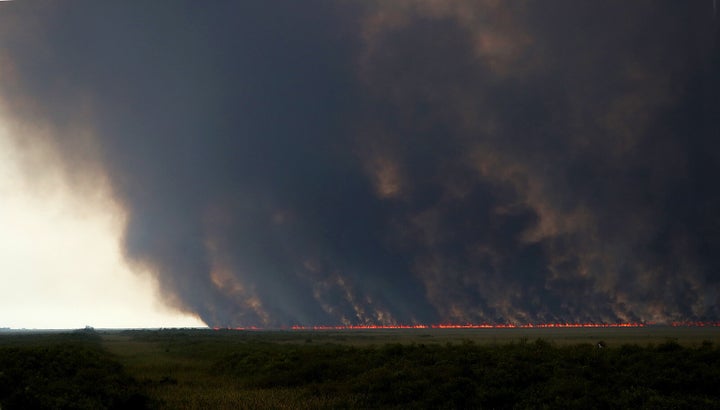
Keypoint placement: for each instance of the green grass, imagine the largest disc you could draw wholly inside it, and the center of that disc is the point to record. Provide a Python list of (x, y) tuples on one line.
[(70, 371), (654, 367)]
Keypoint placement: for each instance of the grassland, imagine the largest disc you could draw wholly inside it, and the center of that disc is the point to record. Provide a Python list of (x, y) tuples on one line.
[(651, 367)]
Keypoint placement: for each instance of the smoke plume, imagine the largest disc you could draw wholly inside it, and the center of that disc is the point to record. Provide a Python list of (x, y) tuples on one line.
[(411, 161)]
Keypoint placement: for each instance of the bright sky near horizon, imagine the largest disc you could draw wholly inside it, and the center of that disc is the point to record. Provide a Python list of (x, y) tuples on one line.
[(60, 260)]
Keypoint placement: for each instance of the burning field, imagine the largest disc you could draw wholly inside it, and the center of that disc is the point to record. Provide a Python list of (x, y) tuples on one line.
[(372, 163)]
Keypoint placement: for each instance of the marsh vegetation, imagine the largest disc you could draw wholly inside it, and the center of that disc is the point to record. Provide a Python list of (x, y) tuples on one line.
[(229, 369)]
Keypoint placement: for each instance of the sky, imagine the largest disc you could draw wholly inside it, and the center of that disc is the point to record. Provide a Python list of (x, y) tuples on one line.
[(61, 265), (361, 162)]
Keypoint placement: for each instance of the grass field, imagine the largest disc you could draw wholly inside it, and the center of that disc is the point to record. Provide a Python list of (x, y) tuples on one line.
[(648, 367)]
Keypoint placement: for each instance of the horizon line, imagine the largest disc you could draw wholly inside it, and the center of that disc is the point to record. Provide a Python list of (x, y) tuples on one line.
[(551, 325)]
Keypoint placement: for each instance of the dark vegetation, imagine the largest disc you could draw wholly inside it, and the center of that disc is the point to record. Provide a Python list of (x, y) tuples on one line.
[(523, 375), (64, 372), (205, 369)]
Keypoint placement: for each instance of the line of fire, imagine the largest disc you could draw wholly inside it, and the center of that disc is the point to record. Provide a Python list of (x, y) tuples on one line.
[(480, 326)]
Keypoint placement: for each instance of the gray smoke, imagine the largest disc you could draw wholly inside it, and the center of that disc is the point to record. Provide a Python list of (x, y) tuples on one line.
[(394, 162)]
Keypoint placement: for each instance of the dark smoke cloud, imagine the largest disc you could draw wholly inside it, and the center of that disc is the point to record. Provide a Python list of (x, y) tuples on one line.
[(394, 162)]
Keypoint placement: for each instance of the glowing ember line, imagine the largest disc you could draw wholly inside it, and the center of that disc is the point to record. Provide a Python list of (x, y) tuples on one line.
[(695, 324), (471, 326), (481, 326)]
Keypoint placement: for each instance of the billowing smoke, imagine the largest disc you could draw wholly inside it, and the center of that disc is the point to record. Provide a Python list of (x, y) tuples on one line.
[(326, 162)]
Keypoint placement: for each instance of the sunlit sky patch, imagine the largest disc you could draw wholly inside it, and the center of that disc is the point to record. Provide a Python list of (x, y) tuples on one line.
[(60, 262)]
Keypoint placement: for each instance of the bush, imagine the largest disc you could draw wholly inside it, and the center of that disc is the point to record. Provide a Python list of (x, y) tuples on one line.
[(66, 376), (525, 375)]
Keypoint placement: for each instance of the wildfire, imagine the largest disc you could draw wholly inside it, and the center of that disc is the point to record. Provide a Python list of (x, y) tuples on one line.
[(482, 326), (471, 326)]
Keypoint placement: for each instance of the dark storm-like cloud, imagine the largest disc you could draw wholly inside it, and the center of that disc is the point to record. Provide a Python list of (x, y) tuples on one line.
[(393, 162), (579, 118)]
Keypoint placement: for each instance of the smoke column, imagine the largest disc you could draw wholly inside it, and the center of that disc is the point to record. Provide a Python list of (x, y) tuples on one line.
[(392, 162)]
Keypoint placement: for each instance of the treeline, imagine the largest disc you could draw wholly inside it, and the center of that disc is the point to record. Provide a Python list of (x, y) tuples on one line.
[(520, 375), (64, 372)]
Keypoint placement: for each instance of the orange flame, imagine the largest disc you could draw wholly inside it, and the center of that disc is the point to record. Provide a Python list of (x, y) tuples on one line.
[(480, 326)]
